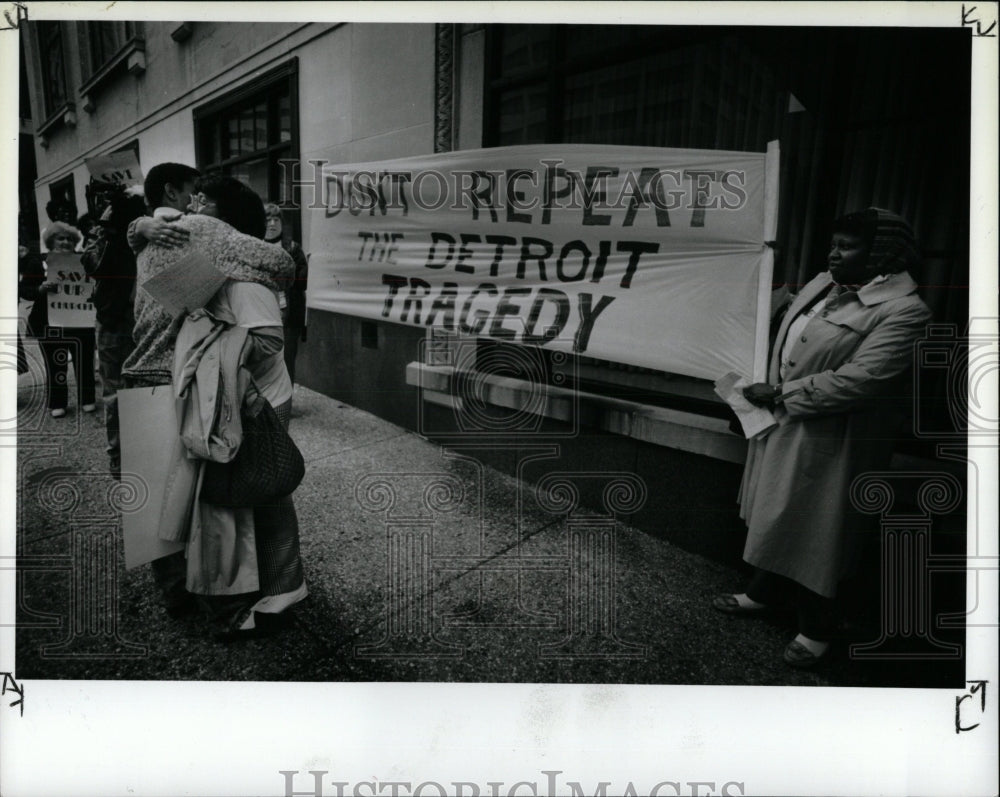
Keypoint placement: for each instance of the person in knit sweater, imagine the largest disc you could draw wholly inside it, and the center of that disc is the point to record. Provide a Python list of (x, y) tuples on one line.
[(240, 257)]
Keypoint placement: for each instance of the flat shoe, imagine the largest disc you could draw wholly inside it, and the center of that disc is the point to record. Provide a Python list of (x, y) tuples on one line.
[(265, 625), (727, 604), (798, 655)]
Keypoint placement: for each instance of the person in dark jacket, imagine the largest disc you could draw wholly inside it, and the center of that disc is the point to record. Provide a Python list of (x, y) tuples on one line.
[(111, 263), (293, 298)]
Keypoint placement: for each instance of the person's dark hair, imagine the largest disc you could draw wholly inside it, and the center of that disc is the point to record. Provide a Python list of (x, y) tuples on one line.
[(156, 181), (86, 224), (237, 203), (60, 210), (124, 208)]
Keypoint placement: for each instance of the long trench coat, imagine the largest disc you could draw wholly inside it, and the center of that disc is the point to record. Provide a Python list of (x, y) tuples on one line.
[(844, 396)]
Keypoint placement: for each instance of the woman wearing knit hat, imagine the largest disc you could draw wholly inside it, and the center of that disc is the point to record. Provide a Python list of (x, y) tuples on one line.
[(836, 385)]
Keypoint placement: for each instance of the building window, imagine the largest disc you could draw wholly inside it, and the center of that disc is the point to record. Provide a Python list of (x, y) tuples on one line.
[(62, 194), (629, 86), (248, 133), (106, 40), (53, 64), (107, 49)]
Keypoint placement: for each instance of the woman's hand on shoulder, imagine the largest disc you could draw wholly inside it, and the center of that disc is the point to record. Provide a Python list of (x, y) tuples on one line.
[(167, 233)]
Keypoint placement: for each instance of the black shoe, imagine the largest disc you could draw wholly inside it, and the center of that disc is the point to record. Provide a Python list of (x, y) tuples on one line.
[(265, 625), (179, 603)]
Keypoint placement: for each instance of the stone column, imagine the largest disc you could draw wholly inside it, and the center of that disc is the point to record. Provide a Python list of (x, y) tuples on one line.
[(907, 625)]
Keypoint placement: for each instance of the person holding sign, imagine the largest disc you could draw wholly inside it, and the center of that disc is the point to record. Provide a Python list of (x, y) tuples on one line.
[(836, 380), (59, 319)]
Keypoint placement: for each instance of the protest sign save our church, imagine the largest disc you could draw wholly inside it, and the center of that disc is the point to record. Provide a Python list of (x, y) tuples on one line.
[(69, 305), (646, 256)]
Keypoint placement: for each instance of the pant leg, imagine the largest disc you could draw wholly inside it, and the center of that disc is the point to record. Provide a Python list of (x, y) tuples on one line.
[(83, 365), (816, 615), (114, 345), (22, 358), (55, 354), (770, 588), (291, 349)]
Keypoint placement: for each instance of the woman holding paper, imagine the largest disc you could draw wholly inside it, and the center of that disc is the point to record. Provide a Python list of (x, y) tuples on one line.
[(836, 385), (59, 344)]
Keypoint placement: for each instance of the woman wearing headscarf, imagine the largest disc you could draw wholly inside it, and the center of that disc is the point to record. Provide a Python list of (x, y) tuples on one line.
[(837, 387)]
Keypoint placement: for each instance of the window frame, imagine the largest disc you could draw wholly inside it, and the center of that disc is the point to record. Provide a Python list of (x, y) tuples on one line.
[(266, 86), (65, 189), (129, 55), (53, 112)]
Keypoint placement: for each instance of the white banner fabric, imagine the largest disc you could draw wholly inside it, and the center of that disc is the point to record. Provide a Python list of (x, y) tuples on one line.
[(643, 256)]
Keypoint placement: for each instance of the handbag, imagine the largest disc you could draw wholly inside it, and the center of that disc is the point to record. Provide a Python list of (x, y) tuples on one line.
[(267, 467)]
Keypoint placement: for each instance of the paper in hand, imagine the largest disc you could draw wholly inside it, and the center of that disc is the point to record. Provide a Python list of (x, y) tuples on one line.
[(756, 421), (186, 285)]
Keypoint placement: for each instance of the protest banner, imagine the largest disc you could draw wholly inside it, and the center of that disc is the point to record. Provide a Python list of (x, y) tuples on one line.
[(116, 167), (69, 305), (646, 256)]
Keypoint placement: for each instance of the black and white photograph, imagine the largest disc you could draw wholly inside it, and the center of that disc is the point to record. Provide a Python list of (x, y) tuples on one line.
[(500, 398)]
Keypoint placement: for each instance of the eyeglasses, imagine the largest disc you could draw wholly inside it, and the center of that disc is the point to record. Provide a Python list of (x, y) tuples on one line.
[(199, 201)]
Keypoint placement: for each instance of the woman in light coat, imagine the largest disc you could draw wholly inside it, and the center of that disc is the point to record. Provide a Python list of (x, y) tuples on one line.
[(837, 384), (250, 555)]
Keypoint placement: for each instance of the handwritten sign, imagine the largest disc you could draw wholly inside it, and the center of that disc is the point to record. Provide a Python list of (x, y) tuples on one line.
[(648, 256), (116, 167), (70, 305)]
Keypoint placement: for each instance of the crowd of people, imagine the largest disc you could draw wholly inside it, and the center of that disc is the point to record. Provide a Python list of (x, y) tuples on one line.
[(240, 565), (840, 352)]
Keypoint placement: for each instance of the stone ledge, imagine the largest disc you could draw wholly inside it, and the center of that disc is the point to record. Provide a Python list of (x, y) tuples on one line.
[(684, 431)]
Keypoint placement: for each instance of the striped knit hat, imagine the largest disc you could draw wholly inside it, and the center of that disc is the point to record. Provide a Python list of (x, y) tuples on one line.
[(892, 246)]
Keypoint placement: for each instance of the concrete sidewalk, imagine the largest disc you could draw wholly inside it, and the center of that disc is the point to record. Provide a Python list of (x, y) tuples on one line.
[(421, 564)]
